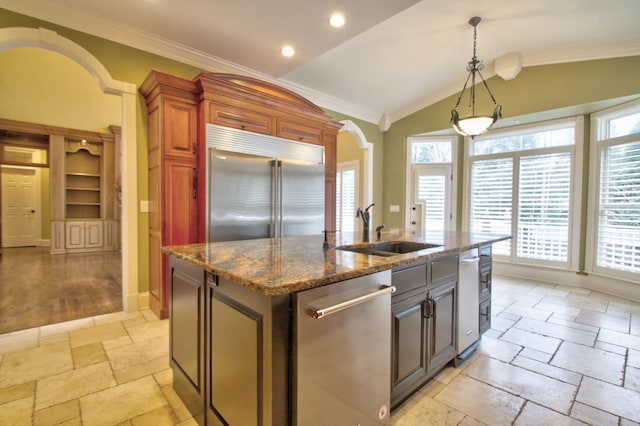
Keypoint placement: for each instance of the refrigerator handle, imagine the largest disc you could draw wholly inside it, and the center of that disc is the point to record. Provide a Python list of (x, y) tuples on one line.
[(274, 198), (280, 212)]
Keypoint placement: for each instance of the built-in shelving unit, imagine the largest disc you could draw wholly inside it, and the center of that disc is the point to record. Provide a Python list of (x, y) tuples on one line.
[(83, 180)]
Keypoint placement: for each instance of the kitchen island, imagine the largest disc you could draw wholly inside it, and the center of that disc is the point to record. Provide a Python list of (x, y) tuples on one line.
[(235, 335)]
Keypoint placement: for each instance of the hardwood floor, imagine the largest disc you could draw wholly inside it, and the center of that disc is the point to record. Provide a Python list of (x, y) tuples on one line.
[(37, 288)]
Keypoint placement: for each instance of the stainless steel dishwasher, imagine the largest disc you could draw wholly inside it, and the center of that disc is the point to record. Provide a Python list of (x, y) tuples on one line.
[(342, 357), (468, 331)]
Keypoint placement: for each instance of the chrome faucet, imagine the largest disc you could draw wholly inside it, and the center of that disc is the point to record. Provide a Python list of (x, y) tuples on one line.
[(364, 214), (379, 232)]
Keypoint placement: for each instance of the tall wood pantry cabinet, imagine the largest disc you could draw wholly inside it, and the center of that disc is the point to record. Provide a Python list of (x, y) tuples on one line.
[(178, 112)]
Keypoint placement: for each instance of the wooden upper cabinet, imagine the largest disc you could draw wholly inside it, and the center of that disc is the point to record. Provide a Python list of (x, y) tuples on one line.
[(180, 128), (239, 118), (299, 132)]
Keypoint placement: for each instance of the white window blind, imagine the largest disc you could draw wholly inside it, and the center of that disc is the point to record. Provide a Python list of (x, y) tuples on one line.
[(543, 207), (431, 193), (492, 199), (618, 245), (346, 200)]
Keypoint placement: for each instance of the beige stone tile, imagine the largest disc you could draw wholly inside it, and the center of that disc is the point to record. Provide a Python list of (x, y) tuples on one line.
[(470, 421), (569, 322), (88, 355), (635, 324), (557, 331), (136, 353), (579, 301), (429, 411), (633, 359), (498, 349), (624, 306), (96, 334), (150, 316), (58, 414), (551, 290), (141, 370), (12, 393), (540, 389), (570, 311), (64, 327), (501, 324), (620, 350), (19, 341), (610, 398), (620, 339), (117, 342), (493, 334), (54, 338), (548, 370), (176, 404), (148, 330), (117, 317), (16, 412), (527, 312), (593, 416), (627, 422), (536, 355), (73, 384), (531, 340), (162, 416), (535, 415), (122, 402), (190, 422), (632, 379), (447, 375), (618, 322), (591, 362), (31, 364), (496, 407), (528, 300), (164, 377)]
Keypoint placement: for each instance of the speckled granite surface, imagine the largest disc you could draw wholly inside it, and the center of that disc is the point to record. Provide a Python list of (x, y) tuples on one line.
[(275, 266)]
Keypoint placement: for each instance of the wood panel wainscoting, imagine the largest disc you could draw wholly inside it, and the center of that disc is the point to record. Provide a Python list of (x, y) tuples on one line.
[(178, 111)]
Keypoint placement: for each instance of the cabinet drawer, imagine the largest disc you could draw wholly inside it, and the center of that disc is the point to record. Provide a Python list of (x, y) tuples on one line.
[(485, 283), (485, 316), (409, 278), (240, 119), (299, 132), (443, 270)]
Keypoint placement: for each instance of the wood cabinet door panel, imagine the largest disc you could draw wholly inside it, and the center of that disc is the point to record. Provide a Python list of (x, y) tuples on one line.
[(299, 132), (238, 118), (180, 211), (180, 128), (441, 340)]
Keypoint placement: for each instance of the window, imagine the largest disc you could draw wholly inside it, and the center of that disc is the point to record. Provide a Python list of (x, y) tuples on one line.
[(430, 183), (347, 195), (615, 221), (520, 184)]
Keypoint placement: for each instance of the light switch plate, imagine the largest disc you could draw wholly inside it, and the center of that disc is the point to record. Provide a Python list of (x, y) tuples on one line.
[(144, 206), (394, 208)]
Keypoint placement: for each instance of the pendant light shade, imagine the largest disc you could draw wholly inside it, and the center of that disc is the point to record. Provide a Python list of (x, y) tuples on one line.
[(474, 125)]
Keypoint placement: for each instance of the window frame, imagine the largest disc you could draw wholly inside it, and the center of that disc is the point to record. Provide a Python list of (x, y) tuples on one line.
[(600, 141), (412, 169), (354, 166), (575, 190)]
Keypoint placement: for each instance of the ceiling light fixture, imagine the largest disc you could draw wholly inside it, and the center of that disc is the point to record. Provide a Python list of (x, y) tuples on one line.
[(287, 51), (474, 125), (337, 20)]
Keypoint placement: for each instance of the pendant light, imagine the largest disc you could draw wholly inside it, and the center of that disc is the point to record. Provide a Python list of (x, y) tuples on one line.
[(474, 125)]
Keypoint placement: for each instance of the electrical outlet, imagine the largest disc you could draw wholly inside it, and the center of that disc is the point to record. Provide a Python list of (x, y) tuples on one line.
[(394, 208), (144, 206)]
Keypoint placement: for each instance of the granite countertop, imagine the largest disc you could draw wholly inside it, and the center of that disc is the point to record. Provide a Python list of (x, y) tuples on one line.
[(277, 266)]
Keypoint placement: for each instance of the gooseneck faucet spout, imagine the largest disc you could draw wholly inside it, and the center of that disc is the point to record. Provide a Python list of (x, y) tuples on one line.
[(364, 214)]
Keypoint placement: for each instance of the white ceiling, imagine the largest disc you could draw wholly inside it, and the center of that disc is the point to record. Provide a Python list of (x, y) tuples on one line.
[(392, 58)]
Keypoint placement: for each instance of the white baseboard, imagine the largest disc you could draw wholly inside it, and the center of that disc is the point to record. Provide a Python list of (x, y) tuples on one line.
[(143, 300), (612, 286)]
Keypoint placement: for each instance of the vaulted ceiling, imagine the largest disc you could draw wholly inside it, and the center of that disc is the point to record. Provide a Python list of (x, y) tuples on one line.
[(390, 59)]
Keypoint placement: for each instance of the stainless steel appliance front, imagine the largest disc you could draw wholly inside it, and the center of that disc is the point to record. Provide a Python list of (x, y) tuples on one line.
[(261, 186), (342, 357)]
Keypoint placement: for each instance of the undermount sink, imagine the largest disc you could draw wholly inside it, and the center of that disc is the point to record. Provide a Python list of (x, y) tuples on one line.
[(389, 248)]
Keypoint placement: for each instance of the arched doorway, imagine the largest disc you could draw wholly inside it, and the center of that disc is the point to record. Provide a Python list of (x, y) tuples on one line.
[(46, 39)]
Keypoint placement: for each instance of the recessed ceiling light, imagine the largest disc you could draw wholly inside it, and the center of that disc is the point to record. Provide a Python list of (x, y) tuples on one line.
[(337, 20), (287, 51)]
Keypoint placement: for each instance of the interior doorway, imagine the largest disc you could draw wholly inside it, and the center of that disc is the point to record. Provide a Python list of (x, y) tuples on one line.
[(21, 215)]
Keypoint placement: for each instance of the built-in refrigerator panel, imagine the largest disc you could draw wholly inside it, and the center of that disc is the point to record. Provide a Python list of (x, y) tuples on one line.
[(240, 188), (261, 186)]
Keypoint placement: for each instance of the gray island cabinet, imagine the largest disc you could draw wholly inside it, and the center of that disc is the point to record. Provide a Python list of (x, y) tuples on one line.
[(236, 340)]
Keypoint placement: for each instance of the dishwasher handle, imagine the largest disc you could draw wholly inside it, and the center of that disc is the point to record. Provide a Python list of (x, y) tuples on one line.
[(318, 313), (474, 259)]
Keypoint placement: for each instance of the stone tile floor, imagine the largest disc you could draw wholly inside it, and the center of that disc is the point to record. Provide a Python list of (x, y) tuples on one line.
[(555, 356)]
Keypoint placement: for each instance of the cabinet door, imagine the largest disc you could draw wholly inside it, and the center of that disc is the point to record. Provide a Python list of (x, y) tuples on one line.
[(186, 344), (408, 346), (94, 234), (180, 128), (485, 316), (441, 309), (485, 283), (180, 203)]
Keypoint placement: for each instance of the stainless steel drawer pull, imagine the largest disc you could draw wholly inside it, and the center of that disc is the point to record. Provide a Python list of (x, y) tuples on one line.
[(318, 313), (470, 260)]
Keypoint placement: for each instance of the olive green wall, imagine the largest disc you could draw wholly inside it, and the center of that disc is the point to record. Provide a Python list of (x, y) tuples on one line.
[(348, 150), (535, 90)]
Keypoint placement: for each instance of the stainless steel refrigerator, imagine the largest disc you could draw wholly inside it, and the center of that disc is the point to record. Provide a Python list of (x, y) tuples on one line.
[(252, 194)]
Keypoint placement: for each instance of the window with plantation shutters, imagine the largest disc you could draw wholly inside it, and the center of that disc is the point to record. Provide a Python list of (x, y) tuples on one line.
[(520, 184), (432, 195), (616, 226), (492, 199), (346, 196)]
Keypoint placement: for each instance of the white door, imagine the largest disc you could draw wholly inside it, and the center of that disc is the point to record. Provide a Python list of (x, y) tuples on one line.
[(20, 219), (431, 198)]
